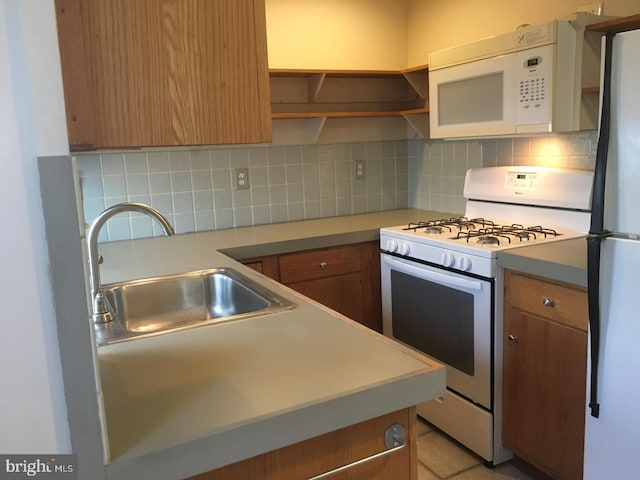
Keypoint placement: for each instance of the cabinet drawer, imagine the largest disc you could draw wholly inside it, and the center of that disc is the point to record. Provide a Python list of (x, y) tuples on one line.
[(333, 450), (555, 302), (315, 264)]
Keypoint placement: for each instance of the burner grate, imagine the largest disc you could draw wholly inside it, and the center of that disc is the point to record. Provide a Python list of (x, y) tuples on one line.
[(481, 230)]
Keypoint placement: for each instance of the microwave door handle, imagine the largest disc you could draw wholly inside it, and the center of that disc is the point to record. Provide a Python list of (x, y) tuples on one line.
[(441, 278)]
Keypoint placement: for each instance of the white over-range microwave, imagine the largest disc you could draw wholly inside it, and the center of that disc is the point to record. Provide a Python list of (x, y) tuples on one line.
[(522, 82)]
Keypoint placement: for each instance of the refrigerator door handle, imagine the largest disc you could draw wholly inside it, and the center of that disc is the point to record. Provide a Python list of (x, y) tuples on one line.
[(597, 233), (593, 298)]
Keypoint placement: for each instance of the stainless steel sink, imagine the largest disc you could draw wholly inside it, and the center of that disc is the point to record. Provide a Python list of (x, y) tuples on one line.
[(169, 303)]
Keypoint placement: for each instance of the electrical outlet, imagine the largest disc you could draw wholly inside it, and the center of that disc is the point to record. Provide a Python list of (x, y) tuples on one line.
[(360, 170), (242, 178), (592, 8)]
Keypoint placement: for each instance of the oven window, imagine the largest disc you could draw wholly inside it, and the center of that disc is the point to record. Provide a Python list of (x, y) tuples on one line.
[(434, 319)]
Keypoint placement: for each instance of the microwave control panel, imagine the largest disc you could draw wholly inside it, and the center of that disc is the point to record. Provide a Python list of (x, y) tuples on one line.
[(534, 81)]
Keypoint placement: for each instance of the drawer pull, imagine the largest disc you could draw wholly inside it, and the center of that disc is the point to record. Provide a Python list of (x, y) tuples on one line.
[(548, 302), (323, 265), (512, 339), (394, 440)]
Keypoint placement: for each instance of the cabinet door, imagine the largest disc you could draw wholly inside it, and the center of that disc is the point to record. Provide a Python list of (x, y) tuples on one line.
[(331, 276), (345, 278), (544, 392), (343, 293), (333, 450), (268, 265), (164, 72)]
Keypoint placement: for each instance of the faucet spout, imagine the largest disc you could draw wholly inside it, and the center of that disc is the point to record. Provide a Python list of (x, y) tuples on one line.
[(100, 313)]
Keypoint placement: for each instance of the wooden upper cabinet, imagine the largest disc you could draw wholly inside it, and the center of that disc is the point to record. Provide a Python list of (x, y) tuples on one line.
[(164, 72)]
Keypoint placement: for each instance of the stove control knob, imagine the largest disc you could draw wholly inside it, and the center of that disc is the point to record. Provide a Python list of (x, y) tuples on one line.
[(391, 246), (404, 248), (465, 264), (448, 260)]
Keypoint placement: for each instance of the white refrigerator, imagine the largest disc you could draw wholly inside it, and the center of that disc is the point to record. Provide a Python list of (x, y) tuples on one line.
[(612, 430)]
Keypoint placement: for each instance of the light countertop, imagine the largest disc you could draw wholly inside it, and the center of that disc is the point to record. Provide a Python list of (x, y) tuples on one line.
[(195, 400), (246, 387), (564, 261), (146, 257)]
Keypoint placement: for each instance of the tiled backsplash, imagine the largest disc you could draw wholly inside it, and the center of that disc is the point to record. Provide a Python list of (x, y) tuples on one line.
[(437, 168), (195, 189)]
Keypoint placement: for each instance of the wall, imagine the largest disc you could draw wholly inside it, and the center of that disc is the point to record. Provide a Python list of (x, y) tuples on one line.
[(195, 189), (437, 24), (337, 34), (33, 415), (437, 168)]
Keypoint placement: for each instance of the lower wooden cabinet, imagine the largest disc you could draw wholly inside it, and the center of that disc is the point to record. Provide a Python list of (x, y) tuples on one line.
[(344, 278), (333, 450), (266, 265), (545, 366)]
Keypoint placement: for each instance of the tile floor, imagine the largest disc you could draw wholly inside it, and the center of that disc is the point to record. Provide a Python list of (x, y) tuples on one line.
[(440, 457)]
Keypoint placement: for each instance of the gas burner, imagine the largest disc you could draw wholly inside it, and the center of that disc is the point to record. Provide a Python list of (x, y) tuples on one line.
[(434, 229), (459, 223), (488, 240), (485, 236)]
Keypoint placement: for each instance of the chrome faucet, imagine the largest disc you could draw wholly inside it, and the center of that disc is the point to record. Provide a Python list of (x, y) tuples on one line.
[(100, 312)]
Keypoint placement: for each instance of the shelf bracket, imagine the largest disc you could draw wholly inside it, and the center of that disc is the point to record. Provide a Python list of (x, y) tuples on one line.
[(419, 81), (419, 122), (315, 84), (314, 128)]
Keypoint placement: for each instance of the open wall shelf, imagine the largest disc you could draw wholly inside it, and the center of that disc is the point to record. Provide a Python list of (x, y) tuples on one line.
[(352, 105), (594, 33), (306, 103), (616, 25)]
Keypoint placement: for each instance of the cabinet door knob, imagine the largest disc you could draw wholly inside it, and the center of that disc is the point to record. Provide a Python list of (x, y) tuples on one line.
[(323, 265), (512, 339), (548, 302)]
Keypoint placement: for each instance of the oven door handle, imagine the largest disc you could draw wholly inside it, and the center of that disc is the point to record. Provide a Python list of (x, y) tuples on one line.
[(425, 274)]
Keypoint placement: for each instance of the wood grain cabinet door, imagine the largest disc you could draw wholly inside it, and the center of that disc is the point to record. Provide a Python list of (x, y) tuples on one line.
[(164, 72), (344, 278), (544, 392), (333, 450)]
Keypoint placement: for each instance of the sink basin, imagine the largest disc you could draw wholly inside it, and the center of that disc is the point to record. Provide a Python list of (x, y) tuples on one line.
[(164, 304)]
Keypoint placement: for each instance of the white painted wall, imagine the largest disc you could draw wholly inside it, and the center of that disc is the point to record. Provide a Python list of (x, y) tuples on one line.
[(32, 410), (437, 24), (337, 34)]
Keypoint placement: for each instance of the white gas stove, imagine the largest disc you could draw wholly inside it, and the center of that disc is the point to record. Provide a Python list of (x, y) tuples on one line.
[(442, 288), (507, 207)]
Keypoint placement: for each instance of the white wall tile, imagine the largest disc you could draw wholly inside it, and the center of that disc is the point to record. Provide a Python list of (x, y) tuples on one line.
[(136, 163), (195, 188)]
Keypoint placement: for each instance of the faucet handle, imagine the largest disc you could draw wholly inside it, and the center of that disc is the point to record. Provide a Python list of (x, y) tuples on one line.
[(100, 259), (101, 313)]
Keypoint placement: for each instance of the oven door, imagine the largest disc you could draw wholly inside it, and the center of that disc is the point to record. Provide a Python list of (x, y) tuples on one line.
[(445, 315)]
